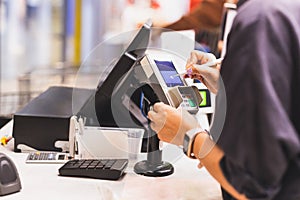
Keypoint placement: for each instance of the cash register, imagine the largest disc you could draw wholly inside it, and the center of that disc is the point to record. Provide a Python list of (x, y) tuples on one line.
[(141, 77)]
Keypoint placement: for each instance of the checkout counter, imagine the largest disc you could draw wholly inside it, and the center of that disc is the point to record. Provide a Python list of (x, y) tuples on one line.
[(41, 181)]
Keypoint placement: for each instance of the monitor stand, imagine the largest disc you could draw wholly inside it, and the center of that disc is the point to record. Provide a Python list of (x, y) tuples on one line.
[(153, 166)]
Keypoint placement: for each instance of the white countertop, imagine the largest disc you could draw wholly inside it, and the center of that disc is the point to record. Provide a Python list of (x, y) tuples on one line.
[(41, 181)]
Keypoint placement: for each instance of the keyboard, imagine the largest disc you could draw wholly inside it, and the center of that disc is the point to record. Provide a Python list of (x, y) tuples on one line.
[(46, 157), (107, 169)]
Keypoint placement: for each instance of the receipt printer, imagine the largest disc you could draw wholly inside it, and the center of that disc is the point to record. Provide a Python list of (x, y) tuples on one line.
[(43, 124)]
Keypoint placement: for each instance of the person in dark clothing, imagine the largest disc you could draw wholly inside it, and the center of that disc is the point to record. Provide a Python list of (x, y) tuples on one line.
[(205, 20), (257, 156), (206, 16)]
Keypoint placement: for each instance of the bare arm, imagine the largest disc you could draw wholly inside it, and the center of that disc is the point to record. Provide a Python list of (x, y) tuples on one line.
[(212, 160), (171, 124)]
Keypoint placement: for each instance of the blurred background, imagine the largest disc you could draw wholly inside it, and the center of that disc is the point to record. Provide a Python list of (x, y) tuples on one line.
[(43, 42)]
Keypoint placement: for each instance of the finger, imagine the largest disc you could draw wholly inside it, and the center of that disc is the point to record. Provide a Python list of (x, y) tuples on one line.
[(196, 76), (153, 126), (207, 57), (211, 56), (188, 62), (199, 69), (198, 57), (201, 79), (204, 60), (186, 76), (158, 106), (199, 54), (157, 127), (193, 58), (152, 115)]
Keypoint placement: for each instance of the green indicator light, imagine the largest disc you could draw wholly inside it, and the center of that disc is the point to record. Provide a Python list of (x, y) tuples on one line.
[(192, 104), (203, 95)]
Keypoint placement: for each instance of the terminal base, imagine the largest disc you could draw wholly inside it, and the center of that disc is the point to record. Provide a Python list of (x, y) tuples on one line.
[(146, 168)]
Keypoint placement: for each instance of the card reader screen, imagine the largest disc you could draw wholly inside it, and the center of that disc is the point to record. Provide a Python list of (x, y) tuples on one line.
[(206, 102), (169, 72)]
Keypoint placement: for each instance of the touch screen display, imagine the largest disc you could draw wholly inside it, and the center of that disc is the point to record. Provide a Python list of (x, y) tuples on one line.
[(169, 73)]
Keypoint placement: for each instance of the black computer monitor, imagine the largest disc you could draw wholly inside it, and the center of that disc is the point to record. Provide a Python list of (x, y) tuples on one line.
[(125, 83), (103, 97)]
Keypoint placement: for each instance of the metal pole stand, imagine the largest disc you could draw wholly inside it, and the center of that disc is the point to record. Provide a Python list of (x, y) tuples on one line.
[(153, 166)]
